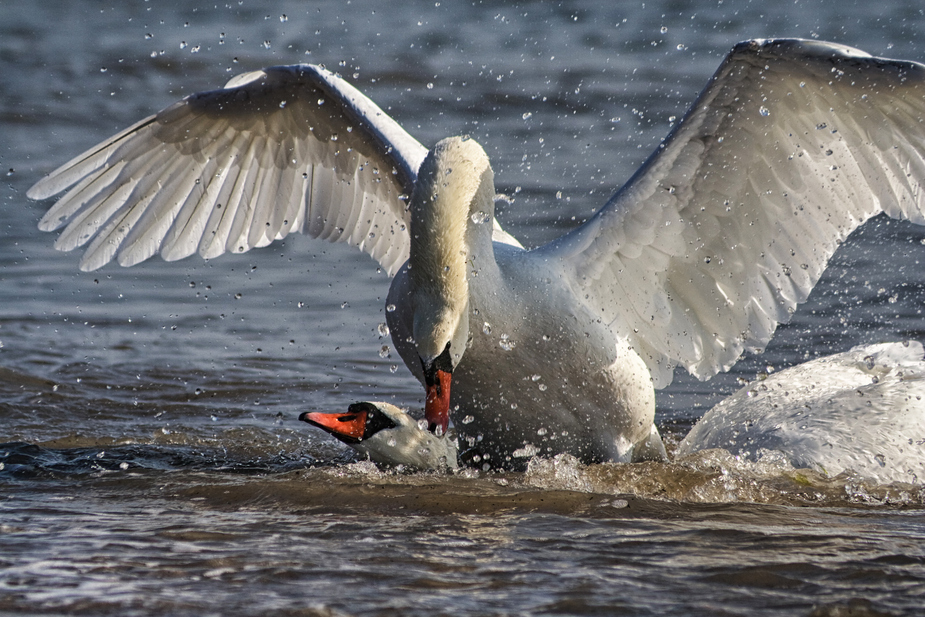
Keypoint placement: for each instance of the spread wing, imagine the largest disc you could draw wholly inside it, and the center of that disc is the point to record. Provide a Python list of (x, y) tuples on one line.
[(729, 224), (289, 148)]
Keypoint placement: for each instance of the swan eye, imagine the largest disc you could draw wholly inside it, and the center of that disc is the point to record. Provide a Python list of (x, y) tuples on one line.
[(375, 420)]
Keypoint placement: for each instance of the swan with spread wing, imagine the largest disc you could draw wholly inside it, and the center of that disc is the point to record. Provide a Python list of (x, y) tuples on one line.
[(713, 242)]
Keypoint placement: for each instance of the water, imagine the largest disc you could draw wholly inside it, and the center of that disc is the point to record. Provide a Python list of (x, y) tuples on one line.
[(152, 461)]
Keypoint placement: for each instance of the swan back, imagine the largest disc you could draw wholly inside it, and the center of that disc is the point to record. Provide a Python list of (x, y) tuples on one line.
[(861, 411)]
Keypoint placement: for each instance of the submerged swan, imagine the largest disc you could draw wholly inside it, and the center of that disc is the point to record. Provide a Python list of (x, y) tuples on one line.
[(388, 436), (713, 242), (861, 411)]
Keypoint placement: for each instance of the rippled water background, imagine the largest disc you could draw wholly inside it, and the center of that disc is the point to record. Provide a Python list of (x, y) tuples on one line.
[(153, 464)]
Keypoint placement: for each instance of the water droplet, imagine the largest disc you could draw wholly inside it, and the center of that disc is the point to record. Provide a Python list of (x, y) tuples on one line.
[(383, 329), (764, 111), (392, 442), (345, 305), (384, 351), (390, 308), (468, 420), (663, 29), (283, 18), (527, 115), (506, 343), (393, 368), (479, 217), (542, 386), (541, 431), (486, 328), (430, 86), (535, 377)]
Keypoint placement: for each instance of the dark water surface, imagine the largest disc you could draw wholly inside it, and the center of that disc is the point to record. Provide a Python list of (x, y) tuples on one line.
[(151, 462)]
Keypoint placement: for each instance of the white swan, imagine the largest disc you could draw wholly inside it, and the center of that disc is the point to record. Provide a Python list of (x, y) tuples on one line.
[(388, 436), (861, 411), (711, 244)]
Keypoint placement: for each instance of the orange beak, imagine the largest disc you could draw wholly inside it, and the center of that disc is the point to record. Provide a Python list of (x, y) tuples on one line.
[(348, 427), (437, 403)]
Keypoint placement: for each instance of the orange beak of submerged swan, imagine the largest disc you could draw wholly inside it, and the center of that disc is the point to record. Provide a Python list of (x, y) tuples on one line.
[(362, 421), (349, 427)]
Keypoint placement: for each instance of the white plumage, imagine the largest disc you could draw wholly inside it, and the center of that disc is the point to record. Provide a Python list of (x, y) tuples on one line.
[(861, 411), (388, 436), (711, 244)]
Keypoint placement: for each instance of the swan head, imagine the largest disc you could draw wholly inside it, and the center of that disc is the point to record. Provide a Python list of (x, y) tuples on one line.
[(452, 207), (388, 436)]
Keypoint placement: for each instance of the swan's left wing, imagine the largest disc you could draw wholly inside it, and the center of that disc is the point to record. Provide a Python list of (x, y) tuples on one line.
[(288, 148), (730, 223)]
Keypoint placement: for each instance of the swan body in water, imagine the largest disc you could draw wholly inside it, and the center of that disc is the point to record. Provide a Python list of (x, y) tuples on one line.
[(388, 436), (715, 240), (861, 411)]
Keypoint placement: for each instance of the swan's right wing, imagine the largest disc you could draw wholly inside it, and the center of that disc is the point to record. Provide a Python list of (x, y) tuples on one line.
[(289, 148), (730, 223)]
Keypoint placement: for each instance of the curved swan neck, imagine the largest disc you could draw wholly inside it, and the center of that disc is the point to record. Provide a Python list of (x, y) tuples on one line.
[(452, 208), (453, 200)]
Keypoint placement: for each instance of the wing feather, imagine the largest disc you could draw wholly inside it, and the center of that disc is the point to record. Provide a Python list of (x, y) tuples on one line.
[(288, 148), (730, 223)]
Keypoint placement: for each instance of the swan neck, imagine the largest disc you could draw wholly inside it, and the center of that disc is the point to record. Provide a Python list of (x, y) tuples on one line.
[(452, 208)]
